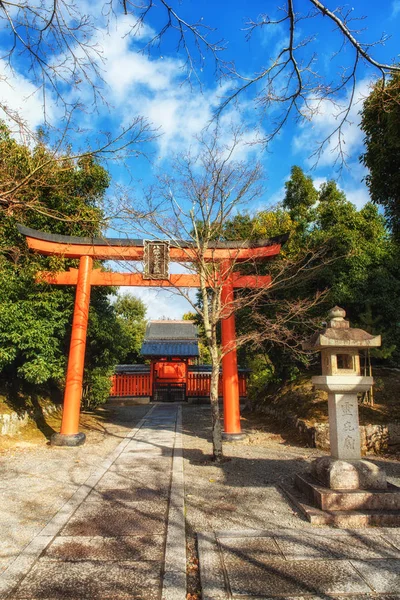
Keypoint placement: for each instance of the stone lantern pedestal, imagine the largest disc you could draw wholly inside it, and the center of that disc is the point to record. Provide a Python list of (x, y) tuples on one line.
[(344, 489), (344, 469)]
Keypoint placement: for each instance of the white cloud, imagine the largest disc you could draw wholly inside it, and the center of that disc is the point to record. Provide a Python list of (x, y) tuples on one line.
[(324, 122), (19, 97), (395, 8), (318, 181), (132, 84), (161, 302), (357, 195), (154, 87)]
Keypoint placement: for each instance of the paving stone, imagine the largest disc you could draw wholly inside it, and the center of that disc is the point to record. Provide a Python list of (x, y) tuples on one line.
[(143, 456), (128, 494), (305, 546), (134, 451), (22, 564), (174, 581), (91, 581), (114, 518), (211, 572), (279, 577), (156, 465), (151, 441), (174, 585), (361, 546), (154, 437), (121, 548), (382, 575), (128, 480), (393, 538), (319, 597), (158, 447), (259, 549)]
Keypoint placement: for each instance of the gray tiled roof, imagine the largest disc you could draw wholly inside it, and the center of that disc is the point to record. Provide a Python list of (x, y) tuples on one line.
[(170, 330), (132, 369), (170, 348)]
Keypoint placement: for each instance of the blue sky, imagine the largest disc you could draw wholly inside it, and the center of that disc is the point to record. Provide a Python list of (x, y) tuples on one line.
[(153, 85)]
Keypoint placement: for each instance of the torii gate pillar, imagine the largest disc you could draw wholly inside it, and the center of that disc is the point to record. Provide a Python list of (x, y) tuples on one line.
[(69, 434), (230, 378)]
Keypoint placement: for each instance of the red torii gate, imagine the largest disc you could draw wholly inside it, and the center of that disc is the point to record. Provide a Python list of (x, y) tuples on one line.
[(88, 249)]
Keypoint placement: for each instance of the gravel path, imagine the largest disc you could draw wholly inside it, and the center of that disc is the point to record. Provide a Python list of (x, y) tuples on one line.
[(36, 482)]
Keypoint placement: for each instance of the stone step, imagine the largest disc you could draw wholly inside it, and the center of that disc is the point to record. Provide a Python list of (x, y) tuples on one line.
[(351, 500), (339, 518)]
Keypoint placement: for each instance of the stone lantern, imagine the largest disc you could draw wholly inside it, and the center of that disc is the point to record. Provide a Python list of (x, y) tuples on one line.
[(343, 489), (341, 377)]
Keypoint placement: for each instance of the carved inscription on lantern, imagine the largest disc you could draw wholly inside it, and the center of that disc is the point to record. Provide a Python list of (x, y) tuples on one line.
[(347, 409), (156, 260), (349, 443), (345, 442)]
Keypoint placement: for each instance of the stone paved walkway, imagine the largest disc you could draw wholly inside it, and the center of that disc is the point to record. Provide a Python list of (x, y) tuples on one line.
[(317, 564), (107, 520), (108, 540)]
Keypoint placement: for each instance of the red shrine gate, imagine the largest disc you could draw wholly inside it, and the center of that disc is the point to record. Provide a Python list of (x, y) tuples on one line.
[(157, 255)]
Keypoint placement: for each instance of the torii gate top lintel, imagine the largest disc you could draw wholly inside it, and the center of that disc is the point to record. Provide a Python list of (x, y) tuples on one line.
[(133, 249)]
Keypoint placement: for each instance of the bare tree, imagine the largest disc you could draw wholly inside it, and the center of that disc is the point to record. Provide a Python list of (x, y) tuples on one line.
[(288, 80), (191, 207), (56, 45), (57, 40)]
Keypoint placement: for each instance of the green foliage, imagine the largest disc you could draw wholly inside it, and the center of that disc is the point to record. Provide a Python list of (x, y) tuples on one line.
[(204, 351), (300, 197), (381, 124), (359, 268), (33, 322), (131, 318), (62, 197), (96, 386), (35, 185), (262, 374)]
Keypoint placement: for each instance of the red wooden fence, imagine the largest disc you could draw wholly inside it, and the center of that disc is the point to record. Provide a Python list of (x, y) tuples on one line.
[(198, 384), (138, 384), (132, 384)]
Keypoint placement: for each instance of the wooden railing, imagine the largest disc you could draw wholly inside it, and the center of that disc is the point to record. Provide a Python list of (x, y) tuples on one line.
[(199, 384), (138, 384), (135, 384)]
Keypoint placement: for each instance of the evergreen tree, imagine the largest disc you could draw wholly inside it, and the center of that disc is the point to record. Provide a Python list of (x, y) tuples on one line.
[(36, 319), (381, 124)]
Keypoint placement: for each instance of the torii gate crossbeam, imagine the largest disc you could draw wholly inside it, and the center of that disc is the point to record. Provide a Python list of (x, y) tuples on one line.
[(87, 249)]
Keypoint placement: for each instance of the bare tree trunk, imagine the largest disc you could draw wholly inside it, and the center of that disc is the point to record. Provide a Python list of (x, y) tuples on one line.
[(215, 414)]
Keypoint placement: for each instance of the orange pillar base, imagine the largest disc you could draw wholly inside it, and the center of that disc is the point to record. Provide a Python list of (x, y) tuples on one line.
[(69, 434), (230, 378)]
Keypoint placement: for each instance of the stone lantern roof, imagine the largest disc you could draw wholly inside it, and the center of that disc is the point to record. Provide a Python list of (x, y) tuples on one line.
[(339, 334)]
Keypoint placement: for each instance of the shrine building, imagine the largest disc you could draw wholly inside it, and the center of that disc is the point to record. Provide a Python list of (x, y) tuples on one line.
[(174, 373)]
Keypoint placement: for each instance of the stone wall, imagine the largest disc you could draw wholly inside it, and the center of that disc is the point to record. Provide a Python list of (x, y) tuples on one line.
[(376, 439), (11, 423)]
